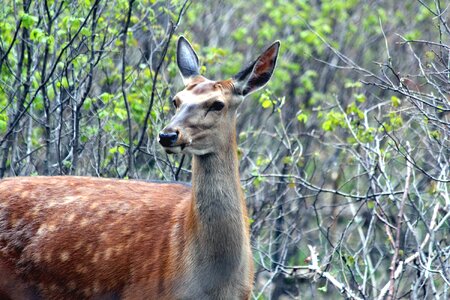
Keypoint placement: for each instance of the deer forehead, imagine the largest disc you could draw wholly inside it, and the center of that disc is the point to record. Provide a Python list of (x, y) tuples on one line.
[(201, 89)]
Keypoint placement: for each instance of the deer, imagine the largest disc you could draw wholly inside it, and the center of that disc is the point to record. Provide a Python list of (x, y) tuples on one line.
[(74, 237)]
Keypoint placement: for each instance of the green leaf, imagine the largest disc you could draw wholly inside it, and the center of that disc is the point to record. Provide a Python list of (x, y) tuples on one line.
[(266, 103), (85, 31), (121, 150), (396, 120), (435, 134), (257, 181), (413, 35), (351, 84), (50, 41), (28, 20), (262, 160), (430, 55), (65, 82), (106, 97), (309, 37), (350, 260), (353, 109), (75, 24), (37, 35), (395, 101), (332, 120), (302, 118), (3, 125), (360, 98), (240, 34), (327, 126), (323, 289), (287, 160)]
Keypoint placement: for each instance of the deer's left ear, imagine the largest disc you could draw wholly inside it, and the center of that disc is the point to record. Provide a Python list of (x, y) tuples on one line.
[(258, 73), (187, 60)]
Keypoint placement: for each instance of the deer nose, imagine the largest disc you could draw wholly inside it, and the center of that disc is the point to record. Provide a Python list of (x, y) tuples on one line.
[(168, 139)]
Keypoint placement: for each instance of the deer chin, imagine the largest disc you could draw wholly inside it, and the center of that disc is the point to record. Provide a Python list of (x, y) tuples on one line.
[(173, 150), (182, 148), (198, 152), (187, 150)]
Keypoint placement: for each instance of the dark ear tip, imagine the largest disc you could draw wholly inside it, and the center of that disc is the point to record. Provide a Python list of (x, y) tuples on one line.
[(182, 39), (276, 44)]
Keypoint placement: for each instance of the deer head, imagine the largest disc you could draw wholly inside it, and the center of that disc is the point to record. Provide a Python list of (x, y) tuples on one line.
[(206, 109)]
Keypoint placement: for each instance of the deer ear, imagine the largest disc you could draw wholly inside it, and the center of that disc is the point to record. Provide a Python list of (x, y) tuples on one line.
[(187, 60), (258, 73)]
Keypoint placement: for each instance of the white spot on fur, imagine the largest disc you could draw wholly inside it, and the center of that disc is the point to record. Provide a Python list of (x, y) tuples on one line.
[(175, 231), (101, 213), (94, 205), (126, 231), (51, 227), (64, 256), (108, 253), (63, 201), (71, 217), (118, 249), (37, 256), (48, 256), (95, 257), (16, 221), (44, 228), (89, 249), (84, 222)]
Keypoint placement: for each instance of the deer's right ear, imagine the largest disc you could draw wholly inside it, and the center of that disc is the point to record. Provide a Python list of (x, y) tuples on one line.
[(187, 60), (258, 73)]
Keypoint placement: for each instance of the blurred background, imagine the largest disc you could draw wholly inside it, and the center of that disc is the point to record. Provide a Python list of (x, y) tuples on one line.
[(344, 156)]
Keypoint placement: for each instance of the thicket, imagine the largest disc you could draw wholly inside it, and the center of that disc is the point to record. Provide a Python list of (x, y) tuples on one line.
[(344, 156)]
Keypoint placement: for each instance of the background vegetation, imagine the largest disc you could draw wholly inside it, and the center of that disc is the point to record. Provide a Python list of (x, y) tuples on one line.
[(344, 156)]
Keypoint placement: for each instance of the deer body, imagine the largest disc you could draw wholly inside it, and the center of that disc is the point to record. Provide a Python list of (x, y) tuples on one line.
[(93, 238), (66, 243)]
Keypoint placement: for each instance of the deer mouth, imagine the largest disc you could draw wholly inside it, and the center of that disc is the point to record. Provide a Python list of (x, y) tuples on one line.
[(175, 149)]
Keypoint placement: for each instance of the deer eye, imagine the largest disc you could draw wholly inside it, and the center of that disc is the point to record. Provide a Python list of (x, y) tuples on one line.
[(175, 103), (217, 106)]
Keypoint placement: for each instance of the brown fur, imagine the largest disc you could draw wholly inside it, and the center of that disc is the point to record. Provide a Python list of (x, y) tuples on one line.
[(79, 237)]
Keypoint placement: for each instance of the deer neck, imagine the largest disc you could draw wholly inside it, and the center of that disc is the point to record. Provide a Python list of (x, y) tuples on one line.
[(216, 188), (218, 240), (218, 203)]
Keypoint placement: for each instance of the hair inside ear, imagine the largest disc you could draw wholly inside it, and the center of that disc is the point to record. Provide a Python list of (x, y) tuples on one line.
[(187, 59), (258, 73), (245, 72)]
